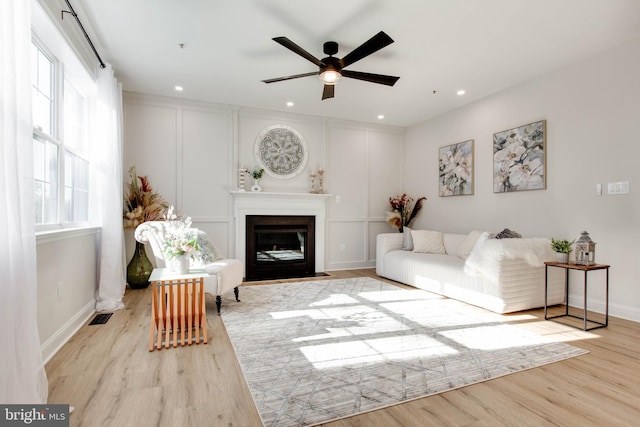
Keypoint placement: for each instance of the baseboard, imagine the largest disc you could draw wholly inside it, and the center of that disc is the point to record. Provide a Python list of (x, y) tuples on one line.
[(51, 346), (350, 265), (598, 306)]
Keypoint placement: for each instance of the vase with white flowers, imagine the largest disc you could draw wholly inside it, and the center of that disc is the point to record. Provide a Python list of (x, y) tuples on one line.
[(257, 175), (181, 242)]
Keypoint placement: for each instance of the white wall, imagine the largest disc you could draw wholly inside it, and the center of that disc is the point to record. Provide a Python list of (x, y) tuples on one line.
[(592, 110), (365, 170), (185, 149), (67, 280), (191, 152)]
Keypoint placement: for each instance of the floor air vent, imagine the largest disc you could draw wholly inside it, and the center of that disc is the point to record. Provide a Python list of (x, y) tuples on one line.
[(100, 319)]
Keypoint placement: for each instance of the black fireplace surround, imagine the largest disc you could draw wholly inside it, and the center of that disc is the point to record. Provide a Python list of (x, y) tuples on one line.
[(280, 246)]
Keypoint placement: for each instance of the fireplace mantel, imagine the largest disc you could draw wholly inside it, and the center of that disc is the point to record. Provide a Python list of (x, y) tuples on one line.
[(272, 203), (261, 195)]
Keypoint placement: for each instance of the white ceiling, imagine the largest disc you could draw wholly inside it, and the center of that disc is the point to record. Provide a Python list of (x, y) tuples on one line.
[(481, 46)]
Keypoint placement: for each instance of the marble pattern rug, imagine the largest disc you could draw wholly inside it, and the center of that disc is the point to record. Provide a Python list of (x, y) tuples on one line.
[(320, 350)]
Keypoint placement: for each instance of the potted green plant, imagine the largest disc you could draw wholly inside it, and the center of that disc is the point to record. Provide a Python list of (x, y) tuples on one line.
[(256, 174), (562, 248)]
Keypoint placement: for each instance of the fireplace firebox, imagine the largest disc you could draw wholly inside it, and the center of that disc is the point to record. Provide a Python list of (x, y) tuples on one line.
[(279, 246)]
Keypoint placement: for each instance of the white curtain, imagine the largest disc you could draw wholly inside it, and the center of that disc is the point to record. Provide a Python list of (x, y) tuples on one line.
[(22, 375), (108, 163)]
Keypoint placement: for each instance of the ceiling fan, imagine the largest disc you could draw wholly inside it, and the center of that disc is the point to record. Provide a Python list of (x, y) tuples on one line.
[(331, 69)]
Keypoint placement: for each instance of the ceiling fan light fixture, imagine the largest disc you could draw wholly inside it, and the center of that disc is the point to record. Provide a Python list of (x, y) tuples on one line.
[(330, 77), (331, 69)]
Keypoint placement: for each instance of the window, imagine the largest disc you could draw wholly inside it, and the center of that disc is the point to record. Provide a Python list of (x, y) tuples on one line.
[(45, 147), (42, 78), (60, 143), (76, 165)]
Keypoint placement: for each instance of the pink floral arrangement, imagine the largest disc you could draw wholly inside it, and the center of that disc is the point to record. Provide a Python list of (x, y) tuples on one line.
[(180, 237), (403, 211)]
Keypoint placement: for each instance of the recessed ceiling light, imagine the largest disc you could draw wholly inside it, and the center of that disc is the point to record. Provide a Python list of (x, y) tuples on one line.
[(289, 104), (178, 88), (380, 116), (461, 92)]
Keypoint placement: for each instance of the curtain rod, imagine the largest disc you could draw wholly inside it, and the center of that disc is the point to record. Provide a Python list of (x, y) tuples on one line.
[(75, 15)]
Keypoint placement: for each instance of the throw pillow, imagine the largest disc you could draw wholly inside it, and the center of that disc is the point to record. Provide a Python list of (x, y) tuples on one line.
[(508, 234), (426, 241), (208, 252), (467, 245), (407, 240)]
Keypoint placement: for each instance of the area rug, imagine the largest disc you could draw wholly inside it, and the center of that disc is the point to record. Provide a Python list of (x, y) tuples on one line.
[(320, 350)]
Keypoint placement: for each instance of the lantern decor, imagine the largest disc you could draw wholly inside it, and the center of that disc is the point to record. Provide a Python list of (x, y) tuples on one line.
[(585, 250)]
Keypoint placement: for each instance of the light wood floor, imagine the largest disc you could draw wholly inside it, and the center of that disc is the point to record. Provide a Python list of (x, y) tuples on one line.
[(107, 373)]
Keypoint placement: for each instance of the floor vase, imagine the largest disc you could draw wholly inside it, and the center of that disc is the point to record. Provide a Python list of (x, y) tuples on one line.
[(139, 268)]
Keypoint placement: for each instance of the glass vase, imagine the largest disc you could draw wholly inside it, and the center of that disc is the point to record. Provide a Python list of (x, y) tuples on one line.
[(139, 268)]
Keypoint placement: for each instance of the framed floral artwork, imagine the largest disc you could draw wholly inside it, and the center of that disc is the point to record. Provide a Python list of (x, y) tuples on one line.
[(456, 169), (519, 158)]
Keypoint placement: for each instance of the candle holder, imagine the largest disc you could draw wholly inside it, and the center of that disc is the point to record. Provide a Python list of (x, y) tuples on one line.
[(320, 180), (241, 174), (313, 182)]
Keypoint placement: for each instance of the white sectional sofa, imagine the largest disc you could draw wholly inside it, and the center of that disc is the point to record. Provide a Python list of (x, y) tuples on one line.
[(501, 275)]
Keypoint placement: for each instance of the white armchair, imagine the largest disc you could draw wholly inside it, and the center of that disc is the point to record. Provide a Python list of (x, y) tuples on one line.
[(224, 274)]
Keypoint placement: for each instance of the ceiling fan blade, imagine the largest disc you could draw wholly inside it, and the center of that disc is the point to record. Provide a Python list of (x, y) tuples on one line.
[(295, 76), (372, 45), (368, 77), (297, 49), (328, 91)]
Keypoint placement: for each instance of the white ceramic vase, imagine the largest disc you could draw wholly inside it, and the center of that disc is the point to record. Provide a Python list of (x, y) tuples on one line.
[(170, 265), (562, 258), (256, 186), (181, 264)]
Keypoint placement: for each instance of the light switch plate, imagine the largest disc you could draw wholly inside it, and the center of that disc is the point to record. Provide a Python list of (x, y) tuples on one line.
[(620, 187)]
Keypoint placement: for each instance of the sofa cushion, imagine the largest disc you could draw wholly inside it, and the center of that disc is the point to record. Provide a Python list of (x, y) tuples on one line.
[(427, 241), (452, 241), (467, 245), (407, 239)]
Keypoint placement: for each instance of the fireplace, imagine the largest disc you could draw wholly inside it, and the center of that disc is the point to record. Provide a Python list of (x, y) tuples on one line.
[(262, 203), (280, 246)]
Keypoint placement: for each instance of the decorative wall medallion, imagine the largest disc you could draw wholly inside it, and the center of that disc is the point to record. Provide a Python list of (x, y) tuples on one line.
[(281, 151)]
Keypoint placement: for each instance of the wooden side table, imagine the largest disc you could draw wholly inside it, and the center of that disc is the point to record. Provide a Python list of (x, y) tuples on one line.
[(586, 269), (178, 305)]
